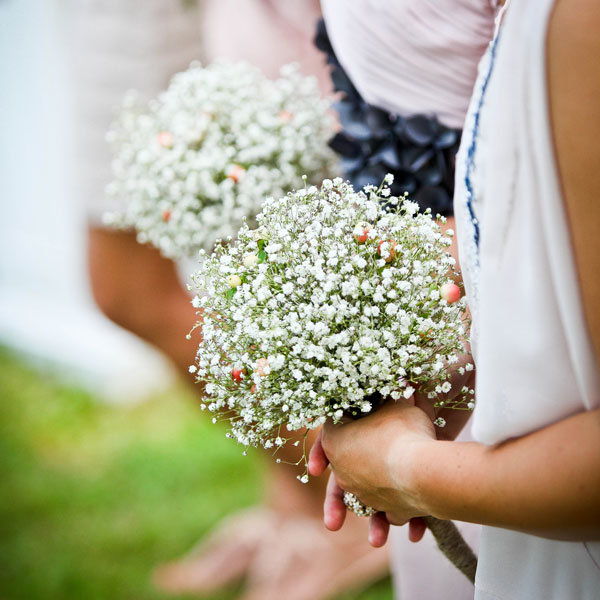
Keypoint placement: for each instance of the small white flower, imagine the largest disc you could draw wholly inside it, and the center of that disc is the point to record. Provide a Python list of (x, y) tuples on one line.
[(411, 208), (408, 392), (359, 261)]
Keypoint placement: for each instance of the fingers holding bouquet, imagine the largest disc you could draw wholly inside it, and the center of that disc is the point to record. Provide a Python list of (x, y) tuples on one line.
[(335, 509), (363, 456), (371, 459)]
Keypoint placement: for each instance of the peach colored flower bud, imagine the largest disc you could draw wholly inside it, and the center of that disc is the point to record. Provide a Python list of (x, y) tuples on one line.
[(262, 367), (361, 233), (389, 250), (165, 139), (235, 172), (450, 292), (285, 116)]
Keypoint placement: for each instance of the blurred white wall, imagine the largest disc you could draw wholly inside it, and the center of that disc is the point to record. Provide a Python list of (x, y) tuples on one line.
[(46, 310)]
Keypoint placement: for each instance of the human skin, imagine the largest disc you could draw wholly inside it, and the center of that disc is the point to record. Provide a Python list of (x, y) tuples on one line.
[(138, 289), (391, 459)]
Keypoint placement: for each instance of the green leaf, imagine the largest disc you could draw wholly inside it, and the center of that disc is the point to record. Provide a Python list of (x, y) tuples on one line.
[(262, 256), (261, 245), (229, 293)]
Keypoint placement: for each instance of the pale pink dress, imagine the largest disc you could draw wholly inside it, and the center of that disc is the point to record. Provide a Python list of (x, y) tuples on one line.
[(266, 33)]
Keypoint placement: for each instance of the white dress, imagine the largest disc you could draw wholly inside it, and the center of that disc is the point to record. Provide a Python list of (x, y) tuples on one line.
[(535, 362)]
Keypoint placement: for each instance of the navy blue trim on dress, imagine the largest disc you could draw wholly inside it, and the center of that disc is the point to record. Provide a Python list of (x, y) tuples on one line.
[(418, 150), (470, 159)]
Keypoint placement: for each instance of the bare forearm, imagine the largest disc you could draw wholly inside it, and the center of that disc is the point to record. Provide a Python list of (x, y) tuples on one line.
[(546, 483)]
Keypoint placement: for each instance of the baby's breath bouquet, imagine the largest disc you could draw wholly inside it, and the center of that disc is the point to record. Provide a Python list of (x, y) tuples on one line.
[(190, 164), (337, 299)]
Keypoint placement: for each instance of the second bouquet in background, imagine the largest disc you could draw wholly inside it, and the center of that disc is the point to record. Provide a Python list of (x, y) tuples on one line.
[(192, 163)]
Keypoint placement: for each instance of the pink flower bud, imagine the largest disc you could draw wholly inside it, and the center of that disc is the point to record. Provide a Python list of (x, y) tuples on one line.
[(238, 374), (235, 172), (285, 116), (450, 292), (165, 139), (262, 367)]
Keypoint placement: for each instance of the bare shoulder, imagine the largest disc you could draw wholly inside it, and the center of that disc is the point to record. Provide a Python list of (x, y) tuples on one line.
[(573, 52)]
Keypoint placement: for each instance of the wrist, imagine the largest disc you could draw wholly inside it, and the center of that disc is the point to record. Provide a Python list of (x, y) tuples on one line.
[(448, 478), (410, 469)]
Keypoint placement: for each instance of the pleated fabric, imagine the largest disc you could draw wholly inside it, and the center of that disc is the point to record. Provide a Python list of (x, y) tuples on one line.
[(412, 57)]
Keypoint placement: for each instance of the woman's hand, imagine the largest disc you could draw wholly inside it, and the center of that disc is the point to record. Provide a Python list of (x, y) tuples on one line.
[(371, 458), (334, 509)]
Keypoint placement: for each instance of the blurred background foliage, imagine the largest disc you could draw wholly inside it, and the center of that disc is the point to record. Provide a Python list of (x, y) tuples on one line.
[(94, 496)]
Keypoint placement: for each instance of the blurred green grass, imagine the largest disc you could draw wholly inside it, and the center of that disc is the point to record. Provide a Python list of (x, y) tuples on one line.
[(93, 496)]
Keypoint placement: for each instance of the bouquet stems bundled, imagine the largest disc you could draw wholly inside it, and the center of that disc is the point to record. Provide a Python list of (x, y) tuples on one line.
[(453, 545)]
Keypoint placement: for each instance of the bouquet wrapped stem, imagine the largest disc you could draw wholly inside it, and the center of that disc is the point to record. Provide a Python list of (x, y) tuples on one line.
[(453, 546)]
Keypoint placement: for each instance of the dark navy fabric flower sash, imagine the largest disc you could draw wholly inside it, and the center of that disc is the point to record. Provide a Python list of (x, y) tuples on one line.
[(418, 150)]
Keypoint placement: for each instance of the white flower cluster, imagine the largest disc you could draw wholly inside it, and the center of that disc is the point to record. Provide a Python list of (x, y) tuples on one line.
[(331, 302), (353, 504), (192, 163)]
